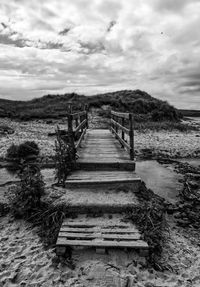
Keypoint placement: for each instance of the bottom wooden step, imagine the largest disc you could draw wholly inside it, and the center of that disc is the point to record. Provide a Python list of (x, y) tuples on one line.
[(81, 234)]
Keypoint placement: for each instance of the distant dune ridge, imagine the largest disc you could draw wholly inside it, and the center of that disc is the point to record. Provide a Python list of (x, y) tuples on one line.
[(55, 106)]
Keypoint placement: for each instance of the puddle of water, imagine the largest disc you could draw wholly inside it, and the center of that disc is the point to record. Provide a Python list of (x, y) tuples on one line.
[(6, 176), (192, 161), (161, 179)]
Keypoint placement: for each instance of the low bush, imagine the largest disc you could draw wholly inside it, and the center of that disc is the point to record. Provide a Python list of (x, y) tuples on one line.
[(12, 152), (18, 152), (48, 218), (28, 148), (25, 198), (65, 156)]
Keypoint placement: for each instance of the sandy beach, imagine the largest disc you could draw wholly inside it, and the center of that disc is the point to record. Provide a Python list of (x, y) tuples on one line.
[(25, 262)]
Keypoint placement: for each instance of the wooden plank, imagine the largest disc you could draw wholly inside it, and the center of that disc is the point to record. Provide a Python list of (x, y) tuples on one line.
[(90, 224), (103, 230), (103, 174), (98, 181), (120, 126), (120, 115), (135, 236), (136, 244)]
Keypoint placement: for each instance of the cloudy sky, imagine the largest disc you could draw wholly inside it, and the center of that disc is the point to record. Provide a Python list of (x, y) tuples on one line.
[(93, 46)]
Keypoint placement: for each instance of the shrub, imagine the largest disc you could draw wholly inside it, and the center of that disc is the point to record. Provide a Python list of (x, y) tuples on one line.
[(25, 197), (65, 157), (12, 152), (49, 219), (28, 148)]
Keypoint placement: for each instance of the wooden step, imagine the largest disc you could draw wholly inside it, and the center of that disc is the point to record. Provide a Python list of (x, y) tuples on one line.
[(98, 235), (81, 178), (103, 164)]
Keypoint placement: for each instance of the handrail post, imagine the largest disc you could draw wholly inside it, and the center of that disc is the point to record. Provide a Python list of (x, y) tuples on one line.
[(71, 133), (111, 122), (131, 135), (86, 115), (122, 130)]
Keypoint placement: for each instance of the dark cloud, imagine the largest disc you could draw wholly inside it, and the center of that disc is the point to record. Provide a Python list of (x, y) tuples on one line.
[(64, 31), (172, 5), (111, 25), (92, 48), (6, 40)]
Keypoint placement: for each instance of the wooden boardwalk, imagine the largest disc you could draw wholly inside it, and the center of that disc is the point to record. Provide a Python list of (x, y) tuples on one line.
[(103, 161), (101, 149)]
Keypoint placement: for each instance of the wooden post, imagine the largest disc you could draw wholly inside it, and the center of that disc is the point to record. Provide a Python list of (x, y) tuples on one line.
[(86, 116), (116, 128), (71, 133), (77, 122), (122, 130), (69, 107), (111, 122), (131, 135)]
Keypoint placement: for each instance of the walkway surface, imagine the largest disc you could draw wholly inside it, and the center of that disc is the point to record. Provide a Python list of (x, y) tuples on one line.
[(101, 149)]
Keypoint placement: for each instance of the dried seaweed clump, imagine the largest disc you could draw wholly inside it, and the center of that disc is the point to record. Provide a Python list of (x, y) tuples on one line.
[(149, 217)]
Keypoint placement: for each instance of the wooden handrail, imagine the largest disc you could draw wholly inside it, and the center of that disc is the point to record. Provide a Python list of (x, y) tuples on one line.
[(120, 126), (80, 139), (125, 144), (81, 124), (115, 125), (78, 115), (120, 115)]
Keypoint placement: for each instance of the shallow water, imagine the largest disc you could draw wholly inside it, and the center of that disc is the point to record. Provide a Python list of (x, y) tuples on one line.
[(192, 161), (160, 178)]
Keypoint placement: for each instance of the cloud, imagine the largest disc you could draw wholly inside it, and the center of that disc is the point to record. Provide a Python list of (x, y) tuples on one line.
[(100, 45)]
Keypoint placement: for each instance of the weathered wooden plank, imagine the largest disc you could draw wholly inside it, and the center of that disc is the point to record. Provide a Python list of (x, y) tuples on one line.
[(136, 244), (103, 230), (91, 224), (135, 236), (82, 175), (98, 181)]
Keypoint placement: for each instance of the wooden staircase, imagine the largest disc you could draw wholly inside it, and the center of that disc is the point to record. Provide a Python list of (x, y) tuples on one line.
[(103, 169)]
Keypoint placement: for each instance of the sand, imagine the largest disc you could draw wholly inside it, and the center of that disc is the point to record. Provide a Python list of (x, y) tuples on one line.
[(25, 262)]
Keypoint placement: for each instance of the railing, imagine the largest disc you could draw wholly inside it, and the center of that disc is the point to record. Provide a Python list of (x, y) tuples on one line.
[(77, 126), (120, 121)]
